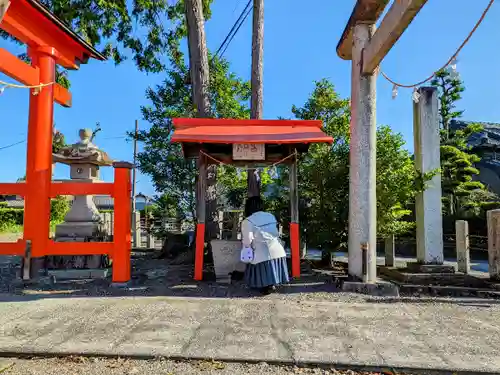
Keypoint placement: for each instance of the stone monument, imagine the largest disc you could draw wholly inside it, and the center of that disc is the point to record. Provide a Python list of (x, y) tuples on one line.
[(82, 223)]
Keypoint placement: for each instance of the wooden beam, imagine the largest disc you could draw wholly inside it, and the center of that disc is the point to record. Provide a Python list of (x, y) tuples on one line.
[(18, 69), (365, 11), (4, 5), (62, 96), (29, 76), (395, 22), (82, 188), (29, 32)]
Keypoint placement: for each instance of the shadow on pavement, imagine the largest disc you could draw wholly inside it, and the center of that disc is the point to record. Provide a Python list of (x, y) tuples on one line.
[(154, 278)]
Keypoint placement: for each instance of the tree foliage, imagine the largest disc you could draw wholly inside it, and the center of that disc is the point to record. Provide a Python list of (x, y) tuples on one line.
[(463, 195), (58, 141), (162, 160), (324, 176), (147, 31)]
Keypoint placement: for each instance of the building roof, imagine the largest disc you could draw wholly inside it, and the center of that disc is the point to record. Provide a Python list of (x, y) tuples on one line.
[(231, 131), (489, 137), (92, 52), (33, 23)]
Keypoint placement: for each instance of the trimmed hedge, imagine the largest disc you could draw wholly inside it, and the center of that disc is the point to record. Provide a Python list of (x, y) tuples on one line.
[(11, 216)]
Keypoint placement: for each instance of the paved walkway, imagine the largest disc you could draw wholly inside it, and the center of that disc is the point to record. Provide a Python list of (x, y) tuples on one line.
[(439, 336)]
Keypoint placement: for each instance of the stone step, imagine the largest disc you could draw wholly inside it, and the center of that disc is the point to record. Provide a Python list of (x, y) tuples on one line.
[(447, 290), (430, 268)]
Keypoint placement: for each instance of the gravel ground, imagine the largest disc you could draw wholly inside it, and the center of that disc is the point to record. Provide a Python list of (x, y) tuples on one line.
[(157, 277), (87, 366)]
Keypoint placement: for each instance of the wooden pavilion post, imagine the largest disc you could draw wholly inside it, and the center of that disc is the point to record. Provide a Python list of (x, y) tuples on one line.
[(201, 188), (294, 216), (39, 154), (122, 237)]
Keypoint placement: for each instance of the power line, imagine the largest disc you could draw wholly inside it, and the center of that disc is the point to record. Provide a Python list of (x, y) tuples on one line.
[(234, 29), (234, 34), (12, 145)]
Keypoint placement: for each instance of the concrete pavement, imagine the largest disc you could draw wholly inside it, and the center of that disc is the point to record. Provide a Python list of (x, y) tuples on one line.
[(411, 335)]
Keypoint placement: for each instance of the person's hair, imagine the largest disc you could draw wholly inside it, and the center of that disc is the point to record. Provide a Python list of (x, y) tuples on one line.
[(253, 205)]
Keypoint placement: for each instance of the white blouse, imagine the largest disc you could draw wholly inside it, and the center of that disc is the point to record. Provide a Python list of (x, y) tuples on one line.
[(260, 231)]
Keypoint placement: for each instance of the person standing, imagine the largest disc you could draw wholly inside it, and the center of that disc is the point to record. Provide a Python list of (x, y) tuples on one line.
[(260, 232)]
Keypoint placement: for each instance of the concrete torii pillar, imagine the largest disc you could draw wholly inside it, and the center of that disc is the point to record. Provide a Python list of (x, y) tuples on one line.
[(427, 160), (367, 48), (362, 161)]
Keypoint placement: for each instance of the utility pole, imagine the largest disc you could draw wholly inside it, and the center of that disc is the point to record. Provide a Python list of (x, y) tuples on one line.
[(257, 82), (199, 72), (134, 171), (134, 178)]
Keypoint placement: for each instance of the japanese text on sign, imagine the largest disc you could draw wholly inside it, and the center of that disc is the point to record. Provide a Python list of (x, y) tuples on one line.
[(249, 152)]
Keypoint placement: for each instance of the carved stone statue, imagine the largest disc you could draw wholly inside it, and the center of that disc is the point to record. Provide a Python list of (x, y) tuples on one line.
[(83, 222), (83, 152)]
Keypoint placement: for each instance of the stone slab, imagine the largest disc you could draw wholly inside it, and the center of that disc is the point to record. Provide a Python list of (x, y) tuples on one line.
[(430, 268), (444, 336), (80, 273), (75, 229), (448, 291), (426, 279), (226, 256), (380, 288)]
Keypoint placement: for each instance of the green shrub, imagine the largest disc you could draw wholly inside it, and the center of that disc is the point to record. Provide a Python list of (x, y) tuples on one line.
[(59, 206), (11, 218)]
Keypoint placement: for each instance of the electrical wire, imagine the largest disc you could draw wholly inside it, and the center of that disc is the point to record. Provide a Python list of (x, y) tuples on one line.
[(239, 26), (234, 29), (452, 58), (12, 145)]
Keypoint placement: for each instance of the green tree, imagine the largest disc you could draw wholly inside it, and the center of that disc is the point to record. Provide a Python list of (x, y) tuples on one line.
[(324, 176), (397, 183), (462, 194), (59, 207), (149, 31), (58, 141), (162, 160)]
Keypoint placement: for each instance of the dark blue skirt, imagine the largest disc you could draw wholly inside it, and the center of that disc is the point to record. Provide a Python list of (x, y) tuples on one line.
[(270, 272)]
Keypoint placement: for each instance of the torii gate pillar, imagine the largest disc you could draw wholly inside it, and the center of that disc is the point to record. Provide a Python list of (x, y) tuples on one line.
[(362, 161), (367, 48)]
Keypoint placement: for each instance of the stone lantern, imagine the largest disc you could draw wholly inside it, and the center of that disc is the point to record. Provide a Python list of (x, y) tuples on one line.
[(82, 223)]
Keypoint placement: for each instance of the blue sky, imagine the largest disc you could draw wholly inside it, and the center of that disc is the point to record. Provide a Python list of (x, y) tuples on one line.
[(300, 42)]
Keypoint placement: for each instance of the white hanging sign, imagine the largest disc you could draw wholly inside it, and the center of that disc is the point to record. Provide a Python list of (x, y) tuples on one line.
[(249, 151)]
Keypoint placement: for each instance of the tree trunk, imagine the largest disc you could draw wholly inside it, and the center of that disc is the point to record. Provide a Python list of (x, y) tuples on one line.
[(4, 5), (198, 56), (199, 71), (256, 103)]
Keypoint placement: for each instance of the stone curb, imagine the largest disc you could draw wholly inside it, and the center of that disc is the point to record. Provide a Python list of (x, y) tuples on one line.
[(284, 362)]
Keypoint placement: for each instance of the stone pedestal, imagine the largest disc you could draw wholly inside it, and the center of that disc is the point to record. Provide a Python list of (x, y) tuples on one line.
[(226, 256), (493, 220), (82, 223), (390, 251), (462, 242)]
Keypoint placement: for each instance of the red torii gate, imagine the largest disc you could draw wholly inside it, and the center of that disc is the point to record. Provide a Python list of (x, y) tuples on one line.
[(51, 42)]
